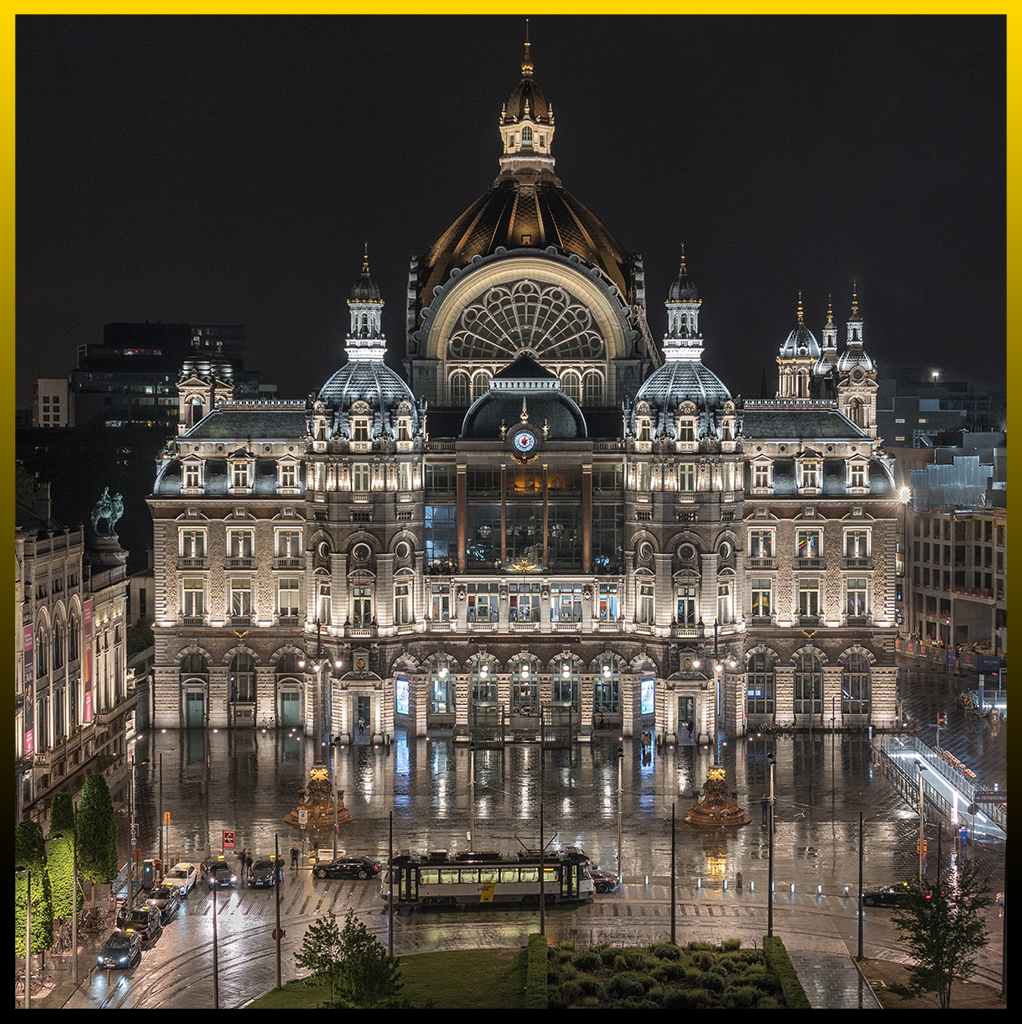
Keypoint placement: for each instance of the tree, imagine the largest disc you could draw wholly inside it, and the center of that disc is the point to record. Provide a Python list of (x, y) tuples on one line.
[(944, 929), (369, 977), (30, 854), (97, 832), (60, 859), (353, 962), (321, 952)]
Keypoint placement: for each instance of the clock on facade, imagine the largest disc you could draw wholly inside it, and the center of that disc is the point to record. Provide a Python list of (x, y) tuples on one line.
[(523, 441)]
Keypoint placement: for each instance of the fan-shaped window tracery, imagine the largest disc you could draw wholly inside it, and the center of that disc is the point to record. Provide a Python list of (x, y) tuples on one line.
[(531, 316)]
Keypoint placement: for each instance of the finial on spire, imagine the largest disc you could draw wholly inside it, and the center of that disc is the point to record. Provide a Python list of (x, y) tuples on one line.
[(527, 59), (800, 320), (830, 311), (855, 301), (682, 272), (365, 261)]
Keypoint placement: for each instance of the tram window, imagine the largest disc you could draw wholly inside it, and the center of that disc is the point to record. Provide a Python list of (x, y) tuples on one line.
[(488, 875), (448, 875), (509, 874), (470, 876), (550, 875), (429, 876), (528, 874)]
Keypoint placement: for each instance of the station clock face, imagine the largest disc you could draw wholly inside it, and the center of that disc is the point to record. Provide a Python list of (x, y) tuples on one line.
[(523, 441)]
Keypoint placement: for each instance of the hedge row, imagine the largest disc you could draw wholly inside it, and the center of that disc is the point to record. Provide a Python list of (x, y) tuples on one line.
[(780, 963), (536, 973)]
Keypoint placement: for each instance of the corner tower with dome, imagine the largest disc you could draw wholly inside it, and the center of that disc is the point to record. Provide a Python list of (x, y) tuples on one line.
[(551, 523)]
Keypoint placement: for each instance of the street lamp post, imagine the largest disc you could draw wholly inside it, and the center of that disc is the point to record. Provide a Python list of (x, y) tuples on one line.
[(922, 819), (620, 761), (770, 871)]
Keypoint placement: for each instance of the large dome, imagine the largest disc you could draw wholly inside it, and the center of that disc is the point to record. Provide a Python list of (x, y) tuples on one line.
[(517, 215), (684, 380)]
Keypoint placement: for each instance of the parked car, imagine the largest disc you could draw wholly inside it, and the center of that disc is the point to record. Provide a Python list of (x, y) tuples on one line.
[(122, 951), (348, 867), (260, 875), (143, 920), (886, 895), (219, 874), (184, 876), (166, 899)]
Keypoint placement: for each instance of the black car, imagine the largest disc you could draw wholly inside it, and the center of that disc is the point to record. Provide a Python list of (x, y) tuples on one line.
[(122, 951), (143, 920), (219, 874), (260, 875), (603, 881), (348, 867), (166, 900), (886, 895)]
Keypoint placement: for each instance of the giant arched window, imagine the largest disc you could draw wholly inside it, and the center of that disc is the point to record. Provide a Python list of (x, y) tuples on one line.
[(571, 385), (855, 684), (525, 315), (808, 685)]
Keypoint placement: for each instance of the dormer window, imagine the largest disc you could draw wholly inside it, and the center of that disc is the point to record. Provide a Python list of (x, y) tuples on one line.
[(526, 136), (762, 476), (242, 470), (192, 476), (360, 428), (287, 477), (858, 479)]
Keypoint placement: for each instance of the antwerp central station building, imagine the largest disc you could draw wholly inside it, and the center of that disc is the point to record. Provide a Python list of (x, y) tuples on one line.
[(551, 522)]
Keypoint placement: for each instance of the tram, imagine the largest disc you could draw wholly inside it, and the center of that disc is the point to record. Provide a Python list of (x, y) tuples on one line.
[(437, 879)]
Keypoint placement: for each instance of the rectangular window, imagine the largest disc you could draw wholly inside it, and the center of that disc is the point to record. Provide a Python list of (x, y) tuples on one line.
[(240, 544), (725, 609), (762, 597), (241, 597), (810, 474), (361, 607), (360, 428), (644, 609), (402, 603), (289, 474), (857, 543), (239, 474), (566, 602), (856, 604), (323, 602), (441, 537), (761, 543), (761, 475), (857, 476), (608, 602), (360, 476), (192, 474), (807, 543), (288, 544), (685, 612), (809, 597), (193, 604), (404, 476), (482, 602), (288, 591), (687, 477), (643, 478), (193, 544), (440, 602)]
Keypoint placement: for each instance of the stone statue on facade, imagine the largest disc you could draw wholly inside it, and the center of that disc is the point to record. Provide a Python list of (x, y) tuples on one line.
[(108, 508)]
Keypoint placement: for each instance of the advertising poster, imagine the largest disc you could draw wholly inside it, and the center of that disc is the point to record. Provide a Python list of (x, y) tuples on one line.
[(29, 648), (87, 661)]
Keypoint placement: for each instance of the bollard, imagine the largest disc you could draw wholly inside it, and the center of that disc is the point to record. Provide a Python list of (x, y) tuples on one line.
[(819, 890), (725, 885), (752, 886), (792, 888), (699, 883)]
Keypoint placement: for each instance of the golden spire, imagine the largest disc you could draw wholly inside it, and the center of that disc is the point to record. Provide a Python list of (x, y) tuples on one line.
[(830, 312), (527, 59), (682, 272), (855, 301), (800, 320), (365, 261)]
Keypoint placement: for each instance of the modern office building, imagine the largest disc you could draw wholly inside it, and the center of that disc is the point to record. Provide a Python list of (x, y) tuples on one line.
[(557, 523)]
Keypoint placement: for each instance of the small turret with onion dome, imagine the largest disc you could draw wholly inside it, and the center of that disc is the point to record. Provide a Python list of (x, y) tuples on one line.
[(365, 401), (854, 354), (683, 400)]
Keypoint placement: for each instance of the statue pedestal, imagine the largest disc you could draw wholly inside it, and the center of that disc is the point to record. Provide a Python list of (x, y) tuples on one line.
[(716, 809)]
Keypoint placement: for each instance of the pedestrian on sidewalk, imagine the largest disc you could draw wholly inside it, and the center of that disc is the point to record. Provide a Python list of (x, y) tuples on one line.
[(241, 864), (294, 856)]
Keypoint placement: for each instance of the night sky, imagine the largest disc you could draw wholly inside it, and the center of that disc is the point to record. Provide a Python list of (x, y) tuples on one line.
[(230, 169)]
